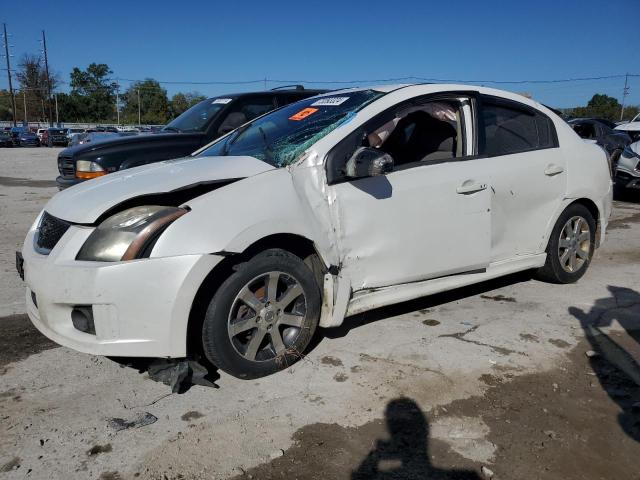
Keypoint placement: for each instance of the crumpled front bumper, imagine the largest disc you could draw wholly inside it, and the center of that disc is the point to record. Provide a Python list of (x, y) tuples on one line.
[(140, 307)]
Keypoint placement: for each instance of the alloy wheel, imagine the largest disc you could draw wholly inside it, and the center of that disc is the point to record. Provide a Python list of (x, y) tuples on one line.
[(266, 316), (574, 244)]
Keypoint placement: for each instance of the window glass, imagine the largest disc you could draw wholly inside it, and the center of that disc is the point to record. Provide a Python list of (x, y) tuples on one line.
[(198, 117), (244, 111), (280, 137), (511, 130)]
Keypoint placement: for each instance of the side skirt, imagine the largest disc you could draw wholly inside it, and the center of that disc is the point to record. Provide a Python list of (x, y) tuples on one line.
[(364, 300)]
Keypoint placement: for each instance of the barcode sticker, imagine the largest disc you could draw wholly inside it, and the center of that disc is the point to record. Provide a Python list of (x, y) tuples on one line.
[(330, 101)]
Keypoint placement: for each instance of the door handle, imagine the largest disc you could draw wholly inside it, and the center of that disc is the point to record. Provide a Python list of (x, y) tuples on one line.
[(553, 169), (467, 188)]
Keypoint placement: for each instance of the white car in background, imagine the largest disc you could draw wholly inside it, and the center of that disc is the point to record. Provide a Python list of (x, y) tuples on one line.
[(40, 133), (632, 128), (325, 208), (627, 173)]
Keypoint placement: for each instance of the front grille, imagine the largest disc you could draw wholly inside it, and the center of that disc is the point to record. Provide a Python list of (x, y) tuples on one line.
[(67, 167), (49, 232)]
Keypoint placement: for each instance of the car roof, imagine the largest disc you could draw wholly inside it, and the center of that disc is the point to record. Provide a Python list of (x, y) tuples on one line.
[(234, 96)]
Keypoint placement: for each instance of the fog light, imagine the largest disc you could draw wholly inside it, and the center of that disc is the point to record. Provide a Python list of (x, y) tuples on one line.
[(82, 319)]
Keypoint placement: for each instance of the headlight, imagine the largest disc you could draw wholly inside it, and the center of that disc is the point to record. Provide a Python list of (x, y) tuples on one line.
[(129, 234), (88, 169)]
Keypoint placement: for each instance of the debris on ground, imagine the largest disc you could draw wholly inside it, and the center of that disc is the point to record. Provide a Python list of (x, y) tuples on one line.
[(140, 420)]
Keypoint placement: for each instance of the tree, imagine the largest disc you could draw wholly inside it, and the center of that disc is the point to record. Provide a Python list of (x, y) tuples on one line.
[(181, 102), (154, 104), (5, 105), (93, 93), (603, 106), (33, 88)]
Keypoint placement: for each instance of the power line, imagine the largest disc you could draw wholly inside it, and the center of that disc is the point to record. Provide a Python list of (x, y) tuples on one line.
[(384, 80)]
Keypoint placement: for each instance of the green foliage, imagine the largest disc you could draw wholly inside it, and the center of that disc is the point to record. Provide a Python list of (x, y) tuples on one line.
[(181, 102), (5, 105), (603, 106), (154, 104), (93, 94)]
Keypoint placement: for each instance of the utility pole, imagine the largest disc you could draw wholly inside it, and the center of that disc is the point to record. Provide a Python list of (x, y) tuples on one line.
[(117, 102), (46, 69), (625, 92), (24, 101), (139, 121), (6, 51), (57, 119)]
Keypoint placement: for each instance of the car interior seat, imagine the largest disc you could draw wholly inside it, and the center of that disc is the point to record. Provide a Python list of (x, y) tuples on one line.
[(421, 137)]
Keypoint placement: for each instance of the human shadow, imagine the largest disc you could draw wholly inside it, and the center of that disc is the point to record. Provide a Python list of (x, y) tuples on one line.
[(617, 370), (406, 454)]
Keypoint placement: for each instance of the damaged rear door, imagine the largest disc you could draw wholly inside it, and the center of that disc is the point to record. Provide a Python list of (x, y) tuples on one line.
[(427, 218)]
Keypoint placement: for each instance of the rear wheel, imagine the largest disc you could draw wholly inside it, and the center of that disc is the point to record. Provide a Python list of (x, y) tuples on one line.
[(263, 316), (570, 247)]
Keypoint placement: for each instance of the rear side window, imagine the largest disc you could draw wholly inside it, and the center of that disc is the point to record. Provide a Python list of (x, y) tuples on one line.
[(509, 129)]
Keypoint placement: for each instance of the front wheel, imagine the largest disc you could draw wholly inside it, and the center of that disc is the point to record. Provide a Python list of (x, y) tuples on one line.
[(570, 247), (263, 316)]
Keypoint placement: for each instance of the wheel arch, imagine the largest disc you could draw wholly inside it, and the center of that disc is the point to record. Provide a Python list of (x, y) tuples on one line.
[(589, 204), (298, 245)]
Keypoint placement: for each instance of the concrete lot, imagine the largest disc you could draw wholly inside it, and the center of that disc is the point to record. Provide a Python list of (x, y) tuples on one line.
[(490, 377)]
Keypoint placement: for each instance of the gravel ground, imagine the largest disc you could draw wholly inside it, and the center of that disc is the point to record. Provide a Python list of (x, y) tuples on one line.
[(513, 377)]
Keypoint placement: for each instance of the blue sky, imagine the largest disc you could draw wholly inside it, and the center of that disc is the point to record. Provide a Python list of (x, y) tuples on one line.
[(325, 41)]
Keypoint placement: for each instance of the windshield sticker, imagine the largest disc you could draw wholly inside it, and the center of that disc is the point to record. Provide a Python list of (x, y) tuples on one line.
[(221, 100), (331, 101), (302, 114)]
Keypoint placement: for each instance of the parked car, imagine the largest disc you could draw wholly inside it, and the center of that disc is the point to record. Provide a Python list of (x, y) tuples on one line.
[(28, 139), (628, 168), (40, 133), (325, 208), (15, 134), (196, 127), (632, 128), (5, 139), (72, 133), (601, 133), (55, 136)]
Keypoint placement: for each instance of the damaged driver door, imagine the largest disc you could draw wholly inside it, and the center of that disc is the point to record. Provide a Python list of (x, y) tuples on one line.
[(425, 217)]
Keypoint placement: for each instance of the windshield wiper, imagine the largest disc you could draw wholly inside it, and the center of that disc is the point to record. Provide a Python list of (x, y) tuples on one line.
[(172, 129), (267, 146)]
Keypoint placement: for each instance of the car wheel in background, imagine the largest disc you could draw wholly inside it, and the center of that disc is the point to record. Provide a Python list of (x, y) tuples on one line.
[(263, 316), (570, 247)]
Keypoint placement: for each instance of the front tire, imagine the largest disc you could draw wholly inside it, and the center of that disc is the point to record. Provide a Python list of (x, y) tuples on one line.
[(263, 316), (570, 247)]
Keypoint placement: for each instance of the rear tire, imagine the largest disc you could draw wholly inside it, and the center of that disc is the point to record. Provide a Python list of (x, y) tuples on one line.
[(570, 246), (262, 318)]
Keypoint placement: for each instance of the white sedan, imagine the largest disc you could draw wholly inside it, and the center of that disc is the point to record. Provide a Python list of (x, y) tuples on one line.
[(325, 208)]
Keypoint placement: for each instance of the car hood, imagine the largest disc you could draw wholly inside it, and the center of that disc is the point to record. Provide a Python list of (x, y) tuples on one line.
[(629, 127), (87, 201), (117, 141)]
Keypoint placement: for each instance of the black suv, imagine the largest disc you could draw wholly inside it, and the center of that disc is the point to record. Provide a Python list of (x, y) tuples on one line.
[(201, 124)]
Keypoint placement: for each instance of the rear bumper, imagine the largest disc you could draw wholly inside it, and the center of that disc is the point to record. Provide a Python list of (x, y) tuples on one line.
[(140, 308)]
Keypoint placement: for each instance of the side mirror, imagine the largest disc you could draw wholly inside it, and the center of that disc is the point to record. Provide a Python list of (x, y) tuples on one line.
[(368, 162)]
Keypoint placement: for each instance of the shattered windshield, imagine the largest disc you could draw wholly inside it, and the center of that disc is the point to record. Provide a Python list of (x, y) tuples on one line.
[(280, 137), (197, 118)]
